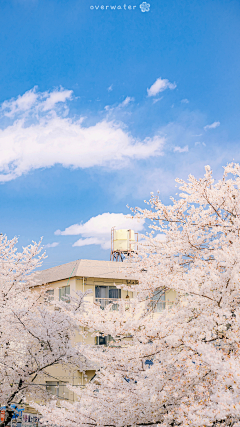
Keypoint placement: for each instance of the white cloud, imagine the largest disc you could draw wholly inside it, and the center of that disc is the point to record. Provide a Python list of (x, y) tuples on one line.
[(110, 88), (185, 101), (123, 104), (97, 230), (33, 100), (181, 149), (200, 143), (37, 138), (21, 104), (157, 100), (159, 86), (55, 97), (212, 126), (126, 101), (92, 241), (51, 245)]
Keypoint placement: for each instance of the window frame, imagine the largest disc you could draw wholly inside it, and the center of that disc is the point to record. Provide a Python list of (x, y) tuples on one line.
[(64, 296)]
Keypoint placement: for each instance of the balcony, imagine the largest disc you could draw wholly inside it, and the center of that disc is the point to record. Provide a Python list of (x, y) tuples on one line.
[(104, 302), (154, 306)]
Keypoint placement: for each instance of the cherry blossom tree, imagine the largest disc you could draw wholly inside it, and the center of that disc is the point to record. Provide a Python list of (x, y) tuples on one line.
[(33, 337), (179, 367)]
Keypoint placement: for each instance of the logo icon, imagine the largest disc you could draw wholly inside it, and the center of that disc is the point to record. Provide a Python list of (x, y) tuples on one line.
[(145, 7)]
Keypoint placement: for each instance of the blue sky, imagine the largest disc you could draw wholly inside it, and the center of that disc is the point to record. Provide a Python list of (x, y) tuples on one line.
[(100, 107)]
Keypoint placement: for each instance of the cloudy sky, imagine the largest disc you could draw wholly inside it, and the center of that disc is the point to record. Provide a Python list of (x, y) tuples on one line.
[(99, 106)]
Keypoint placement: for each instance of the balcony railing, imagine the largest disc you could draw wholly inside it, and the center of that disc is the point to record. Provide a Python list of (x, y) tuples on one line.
[(104, 302), (154, 306)]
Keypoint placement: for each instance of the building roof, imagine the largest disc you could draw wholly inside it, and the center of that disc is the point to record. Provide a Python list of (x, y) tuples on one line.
[(85, 268)]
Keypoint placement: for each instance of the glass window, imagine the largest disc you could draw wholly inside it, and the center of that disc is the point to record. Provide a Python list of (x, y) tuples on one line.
[(158, 295), (158, 301), (101, 291), (49, 295), (105, 295), (109, 292), (64, 294), (104, 340), (114, 292), (101, 340), (57, 388)]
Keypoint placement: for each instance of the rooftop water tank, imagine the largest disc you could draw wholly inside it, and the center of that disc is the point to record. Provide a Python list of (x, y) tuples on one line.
[(124, 241)]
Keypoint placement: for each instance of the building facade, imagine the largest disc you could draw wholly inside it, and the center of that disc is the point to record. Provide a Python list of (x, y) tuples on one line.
[(102, 279), (99, 277)]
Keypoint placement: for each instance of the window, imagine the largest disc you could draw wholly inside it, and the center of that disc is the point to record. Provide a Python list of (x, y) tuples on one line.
[(101, 340), (64, 294), (107, 295), (104, 340), (49, 296), (109, 292), (57, 388), (158, 294), (114, 292), (158, 300)]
